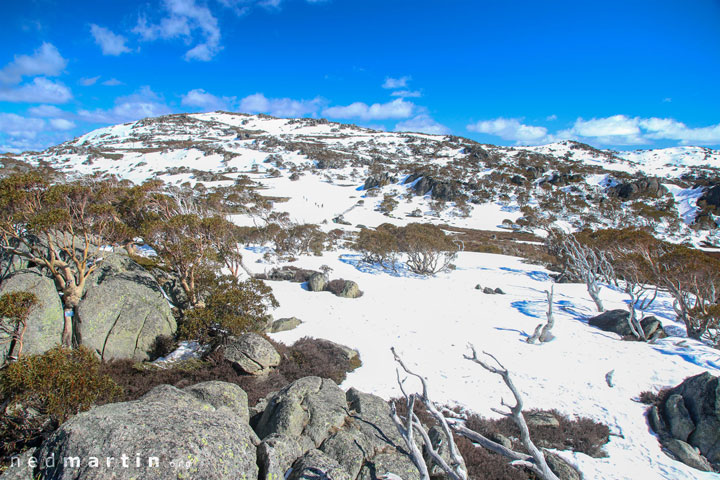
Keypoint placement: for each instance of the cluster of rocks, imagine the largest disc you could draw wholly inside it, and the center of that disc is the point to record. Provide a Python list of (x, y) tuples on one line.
[(618, 321), (309, 429), (316, 281), (489, 290), (124, 305), (687, 422), (446, 190), (642, 188)]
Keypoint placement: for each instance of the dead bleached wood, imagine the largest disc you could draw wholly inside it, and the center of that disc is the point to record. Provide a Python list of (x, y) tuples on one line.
[(543, 333), (536, 461)]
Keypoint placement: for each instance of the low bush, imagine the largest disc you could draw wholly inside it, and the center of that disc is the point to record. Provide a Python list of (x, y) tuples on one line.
[(232, 308), (307, 357), (40, 392)]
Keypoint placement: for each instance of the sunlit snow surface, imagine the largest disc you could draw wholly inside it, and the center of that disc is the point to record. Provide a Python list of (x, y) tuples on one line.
[(431, 320)]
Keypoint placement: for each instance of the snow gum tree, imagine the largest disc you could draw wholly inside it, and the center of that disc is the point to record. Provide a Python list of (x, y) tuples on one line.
[(62, 229)]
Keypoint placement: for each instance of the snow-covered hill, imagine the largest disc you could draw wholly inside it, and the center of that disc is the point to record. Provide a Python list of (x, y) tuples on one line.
[(337, 176)]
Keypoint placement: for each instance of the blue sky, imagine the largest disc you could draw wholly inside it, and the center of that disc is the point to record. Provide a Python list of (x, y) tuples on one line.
[(614, 74)]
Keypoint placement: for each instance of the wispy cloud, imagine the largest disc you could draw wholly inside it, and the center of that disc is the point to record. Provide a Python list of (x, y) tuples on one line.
[(510, 129), (199, 98), (398, 108), (45, 61), (144, 103), (280, 107), (46, 111), (110, 43), (395, 83), (185, 20), (113, 82), (86, 82), (422, 123), (40, 90), (407, 94)]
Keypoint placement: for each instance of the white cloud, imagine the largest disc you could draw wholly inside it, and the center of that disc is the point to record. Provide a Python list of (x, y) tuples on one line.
[(142, 104), (394, 83), (422, 123), (113, 82), (110, 43), (184, 18), (407, 94), (510, 129), (398, 108), (551, 118), (624, 130), (199, 98), (46, 60), (20, 127), (61, 124), (40, 90), (279, 107), (46, 111), (86, 82)]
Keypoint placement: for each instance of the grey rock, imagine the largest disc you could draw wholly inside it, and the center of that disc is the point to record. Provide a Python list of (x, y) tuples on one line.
[(384, 463), (678, 417), (701, 396), (656, 422), (644, 187), (687, 454), (501, 439), (45, 322), (488, 291), (541, 419), (317, 282), (499, 291), (350, 290), (285, 324), (478, 287), (276, 455), (349, 448), (222, 394), (309, 410), (251, 353), (22, 468), (189, 437), (560, 467), (616, 321), (123, 310), (315, 465)]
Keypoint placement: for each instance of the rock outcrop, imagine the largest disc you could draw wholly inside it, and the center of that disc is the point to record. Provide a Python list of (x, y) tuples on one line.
[(123, 310), (617, 321), (45, 322), (251, 353), (167, 434), (688, 421)]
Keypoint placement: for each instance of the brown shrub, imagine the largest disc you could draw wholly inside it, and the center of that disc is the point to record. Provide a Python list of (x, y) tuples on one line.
[(335, 286)]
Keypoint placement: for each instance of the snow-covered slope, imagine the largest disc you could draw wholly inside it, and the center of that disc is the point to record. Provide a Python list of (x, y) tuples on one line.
[(316, 171)]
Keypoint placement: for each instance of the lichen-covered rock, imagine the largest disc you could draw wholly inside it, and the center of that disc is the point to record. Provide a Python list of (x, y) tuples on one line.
[(173, 429), (308, 410), (251, 353), (678, 417), (315, 465), (222, 394), (276, 454), (45, 322), (285, 324), (560, 467), (687, 454), (350, 290), (317, 282), (123, 310)]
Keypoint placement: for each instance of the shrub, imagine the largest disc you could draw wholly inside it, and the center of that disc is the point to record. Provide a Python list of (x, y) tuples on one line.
[(14, 310), (335, 286), (428, 248), (232, 308), (162, 346), (42, 391)]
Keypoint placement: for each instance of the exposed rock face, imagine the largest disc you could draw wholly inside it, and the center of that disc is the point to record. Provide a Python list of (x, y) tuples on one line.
[(312, 463), (317, 282), (306, 410), (645, 187), (45, 322), (251, 353), (123, 310), (616, 321), (190, 438), (380, 180), (689, 419), (438, 190)]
